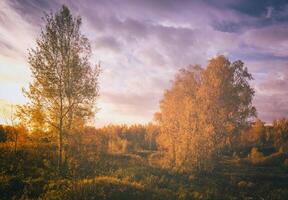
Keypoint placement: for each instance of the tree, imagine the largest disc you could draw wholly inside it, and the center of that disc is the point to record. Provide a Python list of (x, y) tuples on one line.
[(151, 133), (177, 118), (257, 132), (65, 86), (280, 130), (202, 111), (10, 119), (3, 134), (225, 98)]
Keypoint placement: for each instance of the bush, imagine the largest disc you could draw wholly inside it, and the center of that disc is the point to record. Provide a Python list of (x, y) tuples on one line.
[(278, 194), (35, 187), (56, 190), (285, 163), (106, 188), (157, 159), (11, 187), (255, 156), (110, 188)]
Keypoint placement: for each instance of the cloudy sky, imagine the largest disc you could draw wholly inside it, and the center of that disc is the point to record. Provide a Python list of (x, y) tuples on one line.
[(141, 44)]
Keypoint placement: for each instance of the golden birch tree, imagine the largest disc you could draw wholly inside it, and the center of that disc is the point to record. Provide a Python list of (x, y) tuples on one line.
[(64, 88), (202, 111)]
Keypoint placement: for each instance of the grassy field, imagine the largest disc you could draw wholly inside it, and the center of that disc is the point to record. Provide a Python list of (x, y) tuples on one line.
[(136, 176)]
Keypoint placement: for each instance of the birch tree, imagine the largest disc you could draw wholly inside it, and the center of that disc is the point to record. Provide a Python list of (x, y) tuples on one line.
[(64, 88), (202, 111)]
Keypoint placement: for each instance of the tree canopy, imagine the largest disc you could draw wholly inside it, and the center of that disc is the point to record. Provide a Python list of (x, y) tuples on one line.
[(202, 111), (64, 89)]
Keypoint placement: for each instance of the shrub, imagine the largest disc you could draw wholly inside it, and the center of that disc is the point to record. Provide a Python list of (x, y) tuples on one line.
[(157, 159), (11, 187), (56, 190), (278, 194), (107, 188), (35, 187), (285, 163), (110, 188), (255, 156)]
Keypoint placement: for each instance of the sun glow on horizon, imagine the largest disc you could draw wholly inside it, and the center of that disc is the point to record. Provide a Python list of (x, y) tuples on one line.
[(140, 50)]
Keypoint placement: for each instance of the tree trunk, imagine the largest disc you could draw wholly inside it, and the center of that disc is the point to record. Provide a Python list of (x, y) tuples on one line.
[(60, 126), (16, 141), (173, 153), (60, 159)]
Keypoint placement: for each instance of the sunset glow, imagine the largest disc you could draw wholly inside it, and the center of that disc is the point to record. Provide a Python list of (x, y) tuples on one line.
[(143, 99), (141, 44)]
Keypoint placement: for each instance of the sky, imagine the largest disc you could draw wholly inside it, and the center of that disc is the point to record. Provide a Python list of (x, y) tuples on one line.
[(141, 44)]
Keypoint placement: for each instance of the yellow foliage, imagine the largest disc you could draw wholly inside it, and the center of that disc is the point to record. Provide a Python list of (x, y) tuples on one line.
[(201, 112)]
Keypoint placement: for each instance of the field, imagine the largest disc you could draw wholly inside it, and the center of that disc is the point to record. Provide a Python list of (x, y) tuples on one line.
[(148, 101), (136, 175)]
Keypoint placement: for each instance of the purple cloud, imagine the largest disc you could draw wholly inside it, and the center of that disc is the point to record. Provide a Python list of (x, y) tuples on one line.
[(141, 44)]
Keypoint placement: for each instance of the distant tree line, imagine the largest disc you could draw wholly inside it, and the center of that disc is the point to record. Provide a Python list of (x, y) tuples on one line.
[(89, 140)]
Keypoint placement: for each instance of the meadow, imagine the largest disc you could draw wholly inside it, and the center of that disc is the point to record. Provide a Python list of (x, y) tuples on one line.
[(138, 173), (204, 142)]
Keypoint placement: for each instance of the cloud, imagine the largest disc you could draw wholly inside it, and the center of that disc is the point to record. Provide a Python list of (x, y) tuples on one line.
[(269, 11), (272, 92), (108, 42), (271, 108), (141, 44), (16, 34), (132, 102), (33, 11), (272, 39)]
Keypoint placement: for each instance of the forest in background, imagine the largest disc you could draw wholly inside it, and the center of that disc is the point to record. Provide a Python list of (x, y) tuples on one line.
[(204, 143), (124, 162)]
